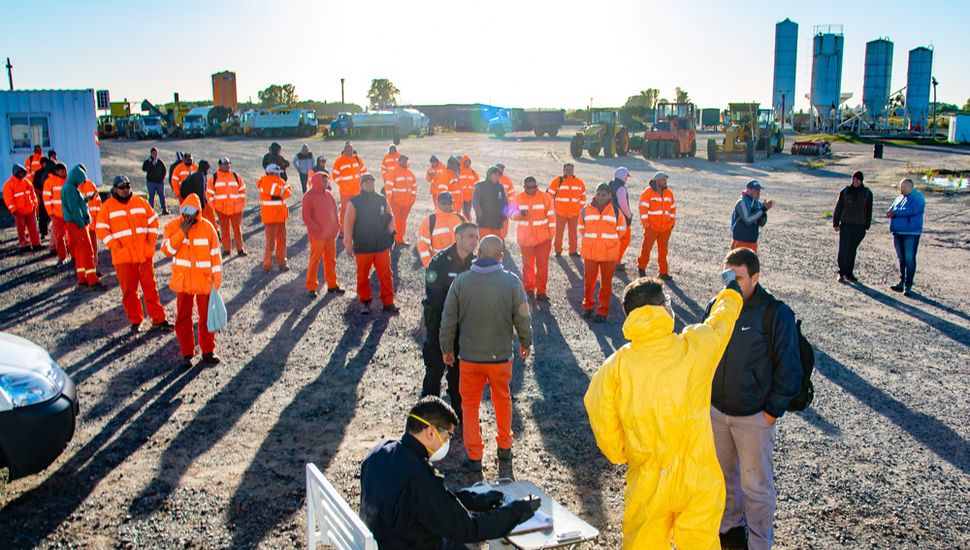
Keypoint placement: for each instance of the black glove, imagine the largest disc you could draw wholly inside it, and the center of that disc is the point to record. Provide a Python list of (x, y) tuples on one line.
[(276, 197), (480, 502), (525, 507)]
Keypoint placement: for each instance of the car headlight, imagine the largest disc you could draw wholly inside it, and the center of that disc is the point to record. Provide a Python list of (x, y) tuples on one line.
[(23, 388)]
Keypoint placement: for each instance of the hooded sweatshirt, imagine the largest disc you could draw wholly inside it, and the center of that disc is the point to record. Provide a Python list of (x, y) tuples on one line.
[(320, 211), (73, 205)]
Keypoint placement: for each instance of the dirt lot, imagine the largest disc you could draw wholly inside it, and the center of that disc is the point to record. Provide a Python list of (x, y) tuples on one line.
[(214, 457)]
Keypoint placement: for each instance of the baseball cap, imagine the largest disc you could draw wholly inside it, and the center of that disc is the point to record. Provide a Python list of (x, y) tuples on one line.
[(224, 160), (754, 184)]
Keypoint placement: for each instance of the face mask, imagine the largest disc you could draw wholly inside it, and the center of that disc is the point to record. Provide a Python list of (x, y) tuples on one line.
[(441, 452)]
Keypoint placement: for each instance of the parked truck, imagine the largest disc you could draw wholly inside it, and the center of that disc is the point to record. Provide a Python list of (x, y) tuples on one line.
[(393, 123), (279, 121), (537, 121)]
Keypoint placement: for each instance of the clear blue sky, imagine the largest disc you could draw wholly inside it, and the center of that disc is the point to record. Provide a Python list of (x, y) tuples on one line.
[(514, 53)]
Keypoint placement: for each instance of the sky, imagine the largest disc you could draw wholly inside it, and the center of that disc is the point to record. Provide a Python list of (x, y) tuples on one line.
[(525, 53)]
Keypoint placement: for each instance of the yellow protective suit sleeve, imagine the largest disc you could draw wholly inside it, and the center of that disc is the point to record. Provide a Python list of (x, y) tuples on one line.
[(602, 406), (711, 337)]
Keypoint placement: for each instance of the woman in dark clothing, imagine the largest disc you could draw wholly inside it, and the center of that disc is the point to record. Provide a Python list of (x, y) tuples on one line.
[(851, 220)]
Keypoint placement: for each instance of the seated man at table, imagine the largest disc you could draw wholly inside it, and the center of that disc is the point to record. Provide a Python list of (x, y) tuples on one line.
[(403, 499)]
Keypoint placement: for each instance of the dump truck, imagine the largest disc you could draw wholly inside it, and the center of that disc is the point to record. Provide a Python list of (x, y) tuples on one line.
[(673, 133), (602, 133), (280, 121), (145, 127), (537, 121), (750, 130), (196, 122)]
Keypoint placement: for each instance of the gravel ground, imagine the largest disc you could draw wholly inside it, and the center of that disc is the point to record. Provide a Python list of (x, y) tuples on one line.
[(214, 457)]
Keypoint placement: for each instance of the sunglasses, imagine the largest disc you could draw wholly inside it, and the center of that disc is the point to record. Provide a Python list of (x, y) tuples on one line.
[(125, 186)]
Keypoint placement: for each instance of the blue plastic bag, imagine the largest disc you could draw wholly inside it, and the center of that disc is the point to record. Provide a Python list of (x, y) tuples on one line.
[(218, 316)]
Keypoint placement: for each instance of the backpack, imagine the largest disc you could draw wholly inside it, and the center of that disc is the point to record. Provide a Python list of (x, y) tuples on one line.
[(806, 352)]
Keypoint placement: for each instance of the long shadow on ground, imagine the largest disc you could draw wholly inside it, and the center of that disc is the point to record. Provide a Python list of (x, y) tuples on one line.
[(958, 334)]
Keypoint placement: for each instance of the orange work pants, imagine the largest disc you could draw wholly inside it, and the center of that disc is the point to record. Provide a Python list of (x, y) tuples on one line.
[(87, 274), (27, 226), (744, 244), (561, 223), (59, 237), (624, 244), (651, 235), (344, 201), (381, 262), (93, 237), (130, 276), (472, 380), (325, 249), (183, 324), (604, 270), (210, 214), (275, 241), (500, 233), (535, 266), (400, 213), (233, 223)]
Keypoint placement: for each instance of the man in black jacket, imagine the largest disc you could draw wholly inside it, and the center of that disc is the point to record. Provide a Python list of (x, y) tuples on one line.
[(155, 178), (851, 220), (368, 237), (403, 499), (274, 157), (441, 272), (758, 376), (47, 167), (491, 205)]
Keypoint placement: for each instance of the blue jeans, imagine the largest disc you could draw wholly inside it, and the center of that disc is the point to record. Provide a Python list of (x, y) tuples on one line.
[(156, 189), (906, 247)]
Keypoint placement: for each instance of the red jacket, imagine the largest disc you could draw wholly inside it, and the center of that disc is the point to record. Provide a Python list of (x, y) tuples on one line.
[(320, 211)]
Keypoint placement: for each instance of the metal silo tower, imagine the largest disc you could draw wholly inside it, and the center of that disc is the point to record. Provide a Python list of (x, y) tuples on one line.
[(827, 47), (918, 87), (786, 50), (878, 78)]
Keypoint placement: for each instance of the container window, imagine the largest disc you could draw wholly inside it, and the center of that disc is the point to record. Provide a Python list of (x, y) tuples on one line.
[(29, 131), (20, 132)]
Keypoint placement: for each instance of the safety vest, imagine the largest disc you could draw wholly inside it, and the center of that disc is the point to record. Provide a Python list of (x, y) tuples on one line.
[(52, 195), (430, 175), (196, 256), (129, 230), (179, 173), (657, 210), (346, 174), (436, 233), (89, 191), (226, 193), (273, 210), (539, 223), (569, 195), (509, 188), (389, 162), (19, 196), (446, 180), (401, 186), (467, 178), (33, 164), (601, 231)]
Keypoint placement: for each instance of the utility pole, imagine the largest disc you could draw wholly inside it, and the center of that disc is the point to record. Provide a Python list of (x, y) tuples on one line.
[(342, 91), (935, 82), (10, 74)]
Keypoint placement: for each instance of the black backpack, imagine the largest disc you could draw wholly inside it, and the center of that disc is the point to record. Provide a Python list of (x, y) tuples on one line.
[(806, 352)]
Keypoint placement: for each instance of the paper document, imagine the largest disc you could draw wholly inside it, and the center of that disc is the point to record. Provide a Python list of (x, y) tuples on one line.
[(539, 522)]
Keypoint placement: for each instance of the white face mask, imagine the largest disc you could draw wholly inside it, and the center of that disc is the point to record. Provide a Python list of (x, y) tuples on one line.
[(441, 452)]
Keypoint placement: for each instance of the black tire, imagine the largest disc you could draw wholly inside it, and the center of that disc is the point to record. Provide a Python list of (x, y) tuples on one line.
[(646, 149), (780, 147), (712, 150), (576, 146), (609, 146), (594, 149), (623, 143), (749, 152), (499, 132), (537, 132), (553, 133), (693, 148)]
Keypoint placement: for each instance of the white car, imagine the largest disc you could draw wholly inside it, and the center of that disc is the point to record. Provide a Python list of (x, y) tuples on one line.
[(38, 407)]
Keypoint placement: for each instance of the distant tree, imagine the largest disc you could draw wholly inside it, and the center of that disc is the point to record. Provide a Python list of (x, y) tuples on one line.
[(682, 96), (966, 106), (383, 93), (646, 99), (278, 94)]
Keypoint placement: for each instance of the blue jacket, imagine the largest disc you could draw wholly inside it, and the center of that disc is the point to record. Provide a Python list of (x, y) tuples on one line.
[(751, 378), (908, 214), (747, 219)]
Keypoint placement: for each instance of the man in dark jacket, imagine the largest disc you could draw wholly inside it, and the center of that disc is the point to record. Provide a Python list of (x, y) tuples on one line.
[(491, 205), (851, 220), (195, 184), (368, 237), (441, 272), (274, 157), (758, 376), (750, 214), (155, 178), (47, 167), (621, 203), (403, 499)]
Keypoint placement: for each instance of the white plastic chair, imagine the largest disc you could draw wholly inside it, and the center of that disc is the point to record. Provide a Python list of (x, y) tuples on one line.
[(329, 519)]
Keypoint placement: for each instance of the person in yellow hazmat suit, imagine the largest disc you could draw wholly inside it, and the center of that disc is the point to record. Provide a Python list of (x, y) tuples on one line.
[(649, 406)]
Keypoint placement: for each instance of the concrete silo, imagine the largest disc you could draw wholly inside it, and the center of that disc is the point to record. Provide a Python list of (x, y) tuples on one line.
[(827, 52), (877, 83), (786, 51), (918, 84)]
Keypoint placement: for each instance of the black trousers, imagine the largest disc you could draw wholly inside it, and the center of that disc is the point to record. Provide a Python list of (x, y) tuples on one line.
[(43, 219), (435, 368), (850, 237)]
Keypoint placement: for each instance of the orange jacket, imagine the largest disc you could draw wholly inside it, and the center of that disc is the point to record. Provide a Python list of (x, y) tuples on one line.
[(179, 173), (389, 162), (467, 178), (346, 174), (33, 164), (129, 230), (430, 243), (538, 225), (19, 196), (601, 230), (90, 192), (657, 210), (509, 188), (196, 256), (569, 195), (52, 195), (401, 186), (432, 172), (226, 193), (273, 210), (446, 180)]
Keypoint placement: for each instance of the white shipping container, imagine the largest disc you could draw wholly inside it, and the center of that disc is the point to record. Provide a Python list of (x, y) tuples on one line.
[(63, 120), (959, 129)]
